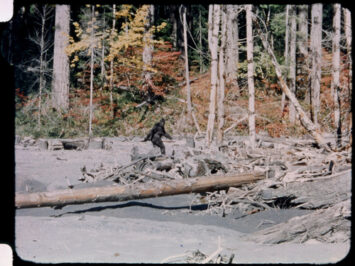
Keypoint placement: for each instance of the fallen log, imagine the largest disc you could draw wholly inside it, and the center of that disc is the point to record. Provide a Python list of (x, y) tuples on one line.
[(131, 192)]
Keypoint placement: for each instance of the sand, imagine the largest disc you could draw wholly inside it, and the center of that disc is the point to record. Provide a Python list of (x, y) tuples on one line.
[(148, 230)]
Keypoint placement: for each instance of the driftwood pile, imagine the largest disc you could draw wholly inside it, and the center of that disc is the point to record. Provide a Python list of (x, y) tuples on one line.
[(299, 175), (183, 163), (199, 257)]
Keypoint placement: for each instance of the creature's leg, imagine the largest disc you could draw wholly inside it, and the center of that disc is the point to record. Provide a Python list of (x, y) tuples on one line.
[(158, 142)]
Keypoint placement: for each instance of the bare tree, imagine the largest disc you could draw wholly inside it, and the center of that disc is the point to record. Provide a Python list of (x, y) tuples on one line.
[(232, 53), (213, 29), (250, 49), (221, 74), (303, 50), (40, 66), (316, 55), (187, 76), (60, 82), (311, 127), (348, 38), (286, 54), (148, 44), (111, 61), (335, 85), (102, 74), (92, 45), (292, 58)]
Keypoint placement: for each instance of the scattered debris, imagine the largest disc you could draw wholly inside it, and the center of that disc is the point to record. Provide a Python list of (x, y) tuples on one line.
[(199, 257)]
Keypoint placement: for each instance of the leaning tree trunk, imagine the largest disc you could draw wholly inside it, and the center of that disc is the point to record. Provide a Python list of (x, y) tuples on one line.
[(312, 128), (335, 85), (316, 54), (60, 81), (250, 49), (213, 29)]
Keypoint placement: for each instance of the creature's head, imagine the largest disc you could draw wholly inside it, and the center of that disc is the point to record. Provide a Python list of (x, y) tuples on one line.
[(162, 122)]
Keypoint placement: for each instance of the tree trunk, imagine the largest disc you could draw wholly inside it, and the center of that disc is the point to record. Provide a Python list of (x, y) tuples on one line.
[(213, 29), (188, 89), (103, 55), (292, 58), (312, 128), (286, 55), (187, 76), (221, 87), (200, 40), (111, 61), (41, 63), (173, 21), (303, 51), (91, 67), (348, 37), (131, 192), (148, 45), (316, 54), (335, 85), (232, 53), (60, 82), (250, 49)]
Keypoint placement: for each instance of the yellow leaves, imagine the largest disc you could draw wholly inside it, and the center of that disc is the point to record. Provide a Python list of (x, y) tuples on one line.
[(161, 26), (124, 12)]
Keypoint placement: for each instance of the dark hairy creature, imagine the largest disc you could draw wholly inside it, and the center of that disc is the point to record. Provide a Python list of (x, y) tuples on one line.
[(156, 133)]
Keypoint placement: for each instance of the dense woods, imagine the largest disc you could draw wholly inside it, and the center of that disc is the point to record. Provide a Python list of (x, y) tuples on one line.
[(116, 69)]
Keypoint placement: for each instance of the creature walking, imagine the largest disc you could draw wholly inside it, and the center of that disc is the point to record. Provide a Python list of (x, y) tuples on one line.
[(156, 133)]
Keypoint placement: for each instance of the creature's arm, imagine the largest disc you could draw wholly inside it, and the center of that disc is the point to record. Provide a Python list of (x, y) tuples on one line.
[(167, 135), (149, 136)]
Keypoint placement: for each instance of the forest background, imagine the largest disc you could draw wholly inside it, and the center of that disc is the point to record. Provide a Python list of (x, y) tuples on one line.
[(213, 70)]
